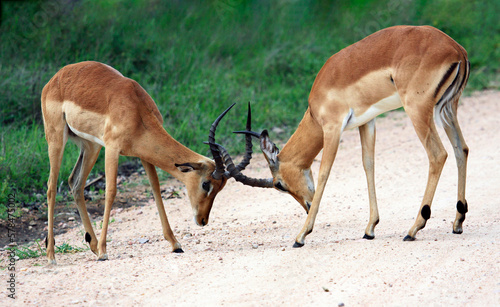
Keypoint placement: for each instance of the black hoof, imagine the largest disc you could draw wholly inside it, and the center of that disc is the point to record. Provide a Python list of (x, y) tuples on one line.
[(178, 251), (102, 259), (88, 238), (408, 238), (457, 232), (368, 237), (297, 245)]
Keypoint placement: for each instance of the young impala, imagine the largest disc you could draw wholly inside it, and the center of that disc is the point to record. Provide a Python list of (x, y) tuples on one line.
[(95, 106), (419, 68)]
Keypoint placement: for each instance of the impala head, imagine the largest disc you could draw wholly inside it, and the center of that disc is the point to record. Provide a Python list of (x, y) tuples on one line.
[(288, 177), (205, 178), (202, 186)]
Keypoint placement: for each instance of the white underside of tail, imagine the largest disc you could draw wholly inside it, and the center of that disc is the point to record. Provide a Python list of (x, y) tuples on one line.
[(443, 110)]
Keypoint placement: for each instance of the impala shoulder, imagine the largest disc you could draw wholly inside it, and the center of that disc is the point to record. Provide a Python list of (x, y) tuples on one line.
[(147, 105)]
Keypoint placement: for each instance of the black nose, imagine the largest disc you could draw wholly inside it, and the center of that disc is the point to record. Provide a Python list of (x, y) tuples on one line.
[(203, 222), (308, 205)]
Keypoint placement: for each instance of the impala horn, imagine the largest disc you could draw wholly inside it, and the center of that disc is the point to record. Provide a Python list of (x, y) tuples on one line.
[(235, 171), (238, 176), (219, 164), (248, 143)]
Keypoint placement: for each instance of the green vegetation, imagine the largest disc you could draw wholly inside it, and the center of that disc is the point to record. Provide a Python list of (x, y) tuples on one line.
[(35, 250), (197, 57)]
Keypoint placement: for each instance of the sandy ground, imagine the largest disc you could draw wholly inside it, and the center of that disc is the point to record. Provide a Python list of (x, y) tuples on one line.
[(244, 257)]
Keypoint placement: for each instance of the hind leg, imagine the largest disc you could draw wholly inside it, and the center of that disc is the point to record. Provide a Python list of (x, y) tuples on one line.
[(461, 151), (88, 155), (422, 119), (56, 136)]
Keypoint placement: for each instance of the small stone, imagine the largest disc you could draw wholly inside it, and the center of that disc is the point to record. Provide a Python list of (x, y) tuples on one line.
[(143, 241), (71, 219), (255, 245), (341, 304), (32, 223)]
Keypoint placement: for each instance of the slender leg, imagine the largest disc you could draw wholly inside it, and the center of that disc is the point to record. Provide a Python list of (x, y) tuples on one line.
[(56, 150), (331, 144), (56, 134), (426, 131), (461, 151), (367, 135), (155, 185), (111, 165), (88, 155)]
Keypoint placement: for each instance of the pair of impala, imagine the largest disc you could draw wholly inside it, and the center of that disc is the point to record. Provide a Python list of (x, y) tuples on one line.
[(419, 68)]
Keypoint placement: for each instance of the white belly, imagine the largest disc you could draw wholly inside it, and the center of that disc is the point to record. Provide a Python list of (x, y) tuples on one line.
[(389, 103)]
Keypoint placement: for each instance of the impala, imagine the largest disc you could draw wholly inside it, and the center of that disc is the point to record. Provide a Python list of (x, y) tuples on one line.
[(95, 105), (419, 68)]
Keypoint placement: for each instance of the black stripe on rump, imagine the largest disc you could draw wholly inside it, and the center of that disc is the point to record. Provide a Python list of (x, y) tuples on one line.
[(445, 77)]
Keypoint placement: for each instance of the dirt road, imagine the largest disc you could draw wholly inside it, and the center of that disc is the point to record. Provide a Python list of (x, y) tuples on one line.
[(244, 257)]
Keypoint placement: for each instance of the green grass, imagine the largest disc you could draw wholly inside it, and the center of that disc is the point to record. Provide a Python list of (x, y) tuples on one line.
[(196, 58), (35, 250)]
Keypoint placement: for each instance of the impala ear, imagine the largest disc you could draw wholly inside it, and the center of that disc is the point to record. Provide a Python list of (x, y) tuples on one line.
[(189, 167), (269, 149)]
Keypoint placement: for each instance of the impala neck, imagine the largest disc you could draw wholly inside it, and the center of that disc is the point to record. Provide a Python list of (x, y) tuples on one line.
[(305, 144), (162, 150)]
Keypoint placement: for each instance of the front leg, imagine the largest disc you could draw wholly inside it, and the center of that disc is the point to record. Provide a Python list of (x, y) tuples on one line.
[(331, 144), (155, 186), (367, 136), (111, 168)]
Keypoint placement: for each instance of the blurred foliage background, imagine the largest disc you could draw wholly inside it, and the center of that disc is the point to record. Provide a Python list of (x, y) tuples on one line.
[(197, 57)]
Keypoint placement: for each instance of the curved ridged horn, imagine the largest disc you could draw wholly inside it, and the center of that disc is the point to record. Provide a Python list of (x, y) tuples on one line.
[(250, 133), (248, 143), (219, 164), (238, 176)]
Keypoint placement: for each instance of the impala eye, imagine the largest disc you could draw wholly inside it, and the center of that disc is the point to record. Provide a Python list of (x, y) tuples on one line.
[(206, 186), (280, 187)]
